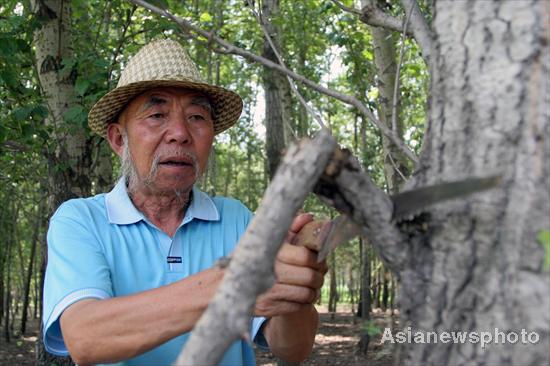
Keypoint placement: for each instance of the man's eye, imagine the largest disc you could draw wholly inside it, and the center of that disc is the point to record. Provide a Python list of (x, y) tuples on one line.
[(197, 117), (157, 115)]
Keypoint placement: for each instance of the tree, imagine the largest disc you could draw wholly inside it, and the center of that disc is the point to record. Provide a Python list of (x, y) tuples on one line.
[(488, 114)]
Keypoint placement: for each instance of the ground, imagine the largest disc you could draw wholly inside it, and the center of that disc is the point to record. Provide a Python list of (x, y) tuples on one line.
[(335, 344), (337, 338)]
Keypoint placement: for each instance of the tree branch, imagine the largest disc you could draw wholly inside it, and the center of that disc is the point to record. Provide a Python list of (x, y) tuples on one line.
[(230, 48), (302, 100), (348, 9), (14, 146), (227, 317), (419, 28), (349, 189), (371, 15)]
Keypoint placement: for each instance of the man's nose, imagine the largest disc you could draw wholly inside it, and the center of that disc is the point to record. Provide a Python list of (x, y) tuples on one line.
[(178, 129)]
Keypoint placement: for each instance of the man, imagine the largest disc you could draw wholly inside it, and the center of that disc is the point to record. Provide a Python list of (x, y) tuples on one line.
[(130, 272)]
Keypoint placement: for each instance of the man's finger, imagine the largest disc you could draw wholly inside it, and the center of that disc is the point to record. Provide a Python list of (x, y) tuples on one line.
[(298, 276), (299, 221), (299, 256)]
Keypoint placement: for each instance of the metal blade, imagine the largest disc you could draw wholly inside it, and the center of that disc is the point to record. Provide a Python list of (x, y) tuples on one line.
[(342, 230), (407, 203)]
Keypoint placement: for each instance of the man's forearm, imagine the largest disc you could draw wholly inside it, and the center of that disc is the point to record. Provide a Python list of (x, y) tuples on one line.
[(291, 336), (111, 330)]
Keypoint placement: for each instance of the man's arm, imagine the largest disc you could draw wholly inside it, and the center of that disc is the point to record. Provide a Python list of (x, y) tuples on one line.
[(119, 328)]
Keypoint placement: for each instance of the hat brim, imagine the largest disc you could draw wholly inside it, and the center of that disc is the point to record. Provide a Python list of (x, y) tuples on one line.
[(227, 104)]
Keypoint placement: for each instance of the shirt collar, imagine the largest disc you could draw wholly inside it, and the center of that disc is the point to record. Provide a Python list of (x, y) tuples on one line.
[(121, 210)]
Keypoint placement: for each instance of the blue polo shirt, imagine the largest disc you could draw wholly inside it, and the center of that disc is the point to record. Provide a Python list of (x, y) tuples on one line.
[(102, 247)]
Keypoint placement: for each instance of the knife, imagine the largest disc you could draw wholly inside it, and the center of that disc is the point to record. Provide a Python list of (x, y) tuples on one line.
[(323, 236)]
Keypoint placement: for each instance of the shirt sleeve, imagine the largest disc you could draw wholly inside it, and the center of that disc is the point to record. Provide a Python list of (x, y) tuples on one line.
[(76, 270)]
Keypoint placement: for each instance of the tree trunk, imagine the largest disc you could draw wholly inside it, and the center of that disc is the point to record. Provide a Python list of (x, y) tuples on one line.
[(478, 266), (275, 87), (103, 168), (395, 162), (27, 289), (333, 291), (69, 164)]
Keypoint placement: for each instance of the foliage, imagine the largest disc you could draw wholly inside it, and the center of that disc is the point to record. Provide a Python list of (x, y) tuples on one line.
[(544, 240), (320, 41)]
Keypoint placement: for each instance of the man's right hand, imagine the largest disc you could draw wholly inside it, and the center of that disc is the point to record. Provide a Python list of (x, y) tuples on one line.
[(299, 277)]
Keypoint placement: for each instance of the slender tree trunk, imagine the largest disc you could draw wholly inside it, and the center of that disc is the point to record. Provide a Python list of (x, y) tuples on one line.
[(103, 168), (275, 87), (34, 244), (333, 293)]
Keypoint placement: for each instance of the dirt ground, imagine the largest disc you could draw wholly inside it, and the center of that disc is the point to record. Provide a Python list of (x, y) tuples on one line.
[(337, 338), (335, 344)]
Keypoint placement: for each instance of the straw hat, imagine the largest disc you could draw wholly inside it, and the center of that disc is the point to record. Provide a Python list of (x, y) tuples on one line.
[(163, 63)]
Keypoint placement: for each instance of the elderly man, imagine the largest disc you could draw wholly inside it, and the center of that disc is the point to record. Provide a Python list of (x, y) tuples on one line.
[(131, 271)]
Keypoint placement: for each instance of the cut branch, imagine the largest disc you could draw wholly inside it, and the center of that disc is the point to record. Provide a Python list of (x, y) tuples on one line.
[(227, 317), (230, 48), (350, 190)]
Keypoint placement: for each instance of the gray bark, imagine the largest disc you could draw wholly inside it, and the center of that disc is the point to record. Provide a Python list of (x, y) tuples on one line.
[(479, 266), (227, 318), (52, 44), (277, 91), (385, 59), (69, 164), (474, 264)]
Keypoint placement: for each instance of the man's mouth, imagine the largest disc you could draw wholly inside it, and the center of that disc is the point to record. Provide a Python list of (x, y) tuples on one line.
[(176, 162)]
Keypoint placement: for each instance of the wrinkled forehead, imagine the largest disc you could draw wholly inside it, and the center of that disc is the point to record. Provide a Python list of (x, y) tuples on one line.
[(164, 96), (160, 96)]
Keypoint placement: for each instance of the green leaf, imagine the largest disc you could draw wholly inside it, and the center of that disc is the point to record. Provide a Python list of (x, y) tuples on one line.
[(2, 133), (205, 17), (544, 240), (40, 111), (9, 78), (75, 115), (81, 86), (371, 328), (22, 114), (68, 65)]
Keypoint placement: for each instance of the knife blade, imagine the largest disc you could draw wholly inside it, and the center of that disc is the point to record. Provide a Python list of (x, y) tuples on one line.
[(325, 235)]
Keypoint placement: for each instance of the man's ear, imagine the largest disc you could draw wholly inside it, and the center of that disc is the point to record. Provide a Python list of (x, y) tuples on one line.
[(114, 136)]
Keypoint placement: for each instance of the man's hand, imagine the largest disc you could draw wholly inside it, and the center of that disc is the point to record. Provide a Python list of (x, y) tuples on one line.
[(299, 277), (290, 331)]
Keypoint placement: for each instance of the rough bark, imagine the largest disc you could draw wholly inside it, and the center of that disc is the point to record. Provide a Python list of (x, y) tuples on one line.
[(395, 163), (69, 164), (52, 44), (479, 266), (419, 27), (227, 318), (276, 89)]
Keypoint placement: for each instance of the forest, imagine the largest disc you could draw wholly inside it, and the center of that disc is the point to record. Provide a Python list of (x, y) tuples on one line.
[(418, 91)]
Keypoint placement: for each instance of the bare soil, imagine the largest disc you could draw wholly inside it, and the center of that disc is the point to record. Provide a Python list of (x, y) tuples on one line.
[(335, 344), (337, 339)]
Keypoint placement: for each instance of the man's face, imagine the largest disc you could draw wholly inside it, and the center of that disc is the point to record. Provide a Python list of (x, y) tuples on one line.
[(169, 134)]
